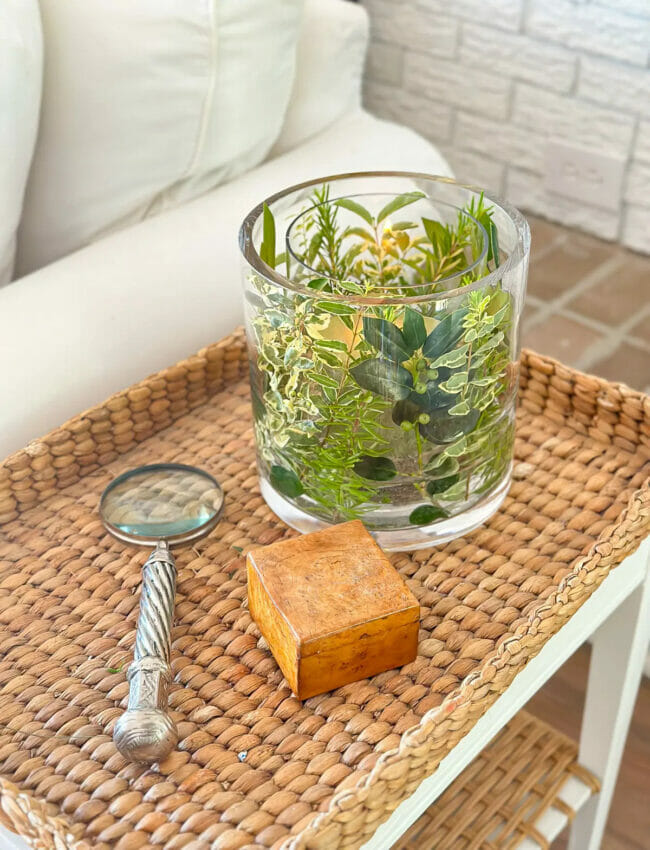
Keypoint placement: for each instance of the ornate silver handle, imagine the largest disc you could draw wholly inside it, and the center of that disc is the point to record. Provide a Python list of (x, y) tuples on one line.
[(145, 732)]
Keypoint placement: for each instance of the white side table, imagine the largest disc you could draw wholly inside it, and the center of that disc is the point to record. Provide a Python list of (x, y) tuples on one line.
[(617, 619)]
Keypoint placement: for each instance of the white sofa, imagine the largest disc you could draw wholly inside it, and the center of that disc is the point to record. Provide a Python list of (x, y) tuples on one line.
[(138, 299)]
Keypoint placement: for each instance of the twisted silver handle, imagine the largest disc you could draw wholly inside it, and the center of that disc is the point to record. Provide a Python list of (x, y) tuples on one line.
[(145, 732)]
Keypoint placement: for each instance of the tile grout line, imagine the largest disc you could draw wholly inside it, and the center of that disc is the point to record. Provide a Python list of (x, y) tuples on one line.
[(611, 264), (547, 308), (610, 337), (612, 342), (556, 242)]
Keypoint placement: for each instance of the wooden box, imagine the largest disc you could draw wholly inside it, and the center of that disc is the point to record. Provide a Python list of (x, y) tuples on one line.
[(332, 608)]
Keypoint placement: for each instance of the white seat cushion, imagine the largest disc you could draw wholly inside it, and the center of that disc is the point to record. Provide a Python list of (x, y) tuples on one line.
[(21, 60), (146, 104)]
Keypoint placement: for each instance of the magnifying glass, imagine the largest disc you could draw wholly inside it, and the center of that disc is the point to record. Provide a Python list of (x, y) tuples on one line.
[(162, 505)]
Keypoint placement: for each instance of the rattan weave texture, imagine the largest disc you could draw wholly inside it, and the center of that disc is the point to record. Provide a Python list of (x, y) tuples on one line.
[(499, 798), (318, 774)]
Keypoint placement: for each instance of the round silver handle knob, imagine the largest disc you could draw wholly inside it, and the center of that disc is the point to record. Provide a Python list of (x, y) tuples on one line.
[(145, 732)]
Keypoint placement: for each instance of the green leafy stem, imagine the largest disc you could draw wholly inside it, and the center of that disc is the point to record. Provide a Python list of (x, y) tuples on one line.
[(445, 386)]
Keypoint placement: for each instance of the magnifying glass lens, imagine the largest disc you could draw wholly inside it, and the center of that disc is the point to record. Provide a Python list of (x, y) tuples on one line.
[(161, 502)]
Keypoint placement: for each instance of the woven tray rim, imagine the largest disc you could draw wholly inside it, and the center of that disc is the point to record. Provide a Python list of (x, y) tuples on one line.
[(632, 526)]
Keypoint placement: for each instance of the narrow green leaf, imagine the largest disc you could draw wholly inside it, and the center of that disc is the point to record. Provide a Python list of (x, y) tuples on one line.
[(383, 378), (352, 253), (438, 235), (267, 249), (375, 468), (286, 481), (351, 286), (493, 242), (500, 298), (491, 343), (314, 246), (439, 485), (403, 225), (336, 308), (328, 357), (442, 465), (397, 203), (444, 428), (425, 514), (386, 338), (445, 335), (353, 206), (324, 380), (414, 330), (460, 409), (458, 448), (333, 344), (358, 231), (456, 382), (319, 284), (451, 359)]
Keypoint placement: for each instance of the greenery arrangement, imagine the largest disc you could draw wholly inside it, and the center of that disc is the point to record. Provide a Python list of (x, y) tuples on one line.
[(400, 410)]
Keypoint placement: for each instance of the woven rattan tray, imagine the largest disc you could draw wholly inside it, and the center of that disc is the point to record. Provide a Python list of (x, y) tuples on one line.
[(255, 767)]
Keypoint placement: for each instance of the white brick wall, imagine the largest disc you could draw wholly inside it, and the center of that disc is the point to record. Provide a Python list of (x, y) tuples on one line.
[(490, 81), (449, 81), (615, 84), (545, 65), (584, 27)]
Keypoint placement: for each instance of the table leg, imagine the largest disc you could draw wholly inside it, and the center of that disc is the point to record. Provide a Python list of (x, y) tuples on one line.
[(617, 658)]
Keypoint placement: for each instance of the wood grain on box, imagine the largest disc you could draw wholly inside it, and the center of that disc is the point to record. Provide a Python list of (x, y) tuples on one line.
[(332, 608)]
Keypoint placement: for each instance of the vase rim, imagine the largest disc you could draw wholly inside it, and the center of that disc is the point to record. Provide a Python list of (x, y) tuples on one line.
[(252, 257), (386, 294)]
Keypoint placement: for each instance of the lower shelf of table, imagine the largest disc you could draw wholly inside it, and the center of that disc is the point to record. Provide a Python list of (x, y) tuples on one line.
[(519, 792)]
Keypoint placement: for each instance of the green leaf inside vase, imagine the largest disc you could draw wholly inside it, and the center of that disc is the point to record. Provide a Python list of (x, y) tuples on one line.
[(425, 514), (286, 481), (383, 377), (439, 485), (443, 428), (375, 468), (355, 207), (445, 335), (414, 330), (387, 339), (433, 398), (267, 249), (397, 203), (405, 410)]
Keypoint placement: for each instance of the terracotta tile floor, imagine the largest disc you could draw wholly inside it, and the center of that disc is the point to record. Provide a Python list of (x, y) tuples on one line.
[(588, 304)]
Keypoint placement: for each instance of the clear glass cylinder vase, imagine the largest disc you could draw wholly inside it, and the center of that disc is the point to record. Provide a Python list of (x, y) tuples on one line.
[(382, 317)]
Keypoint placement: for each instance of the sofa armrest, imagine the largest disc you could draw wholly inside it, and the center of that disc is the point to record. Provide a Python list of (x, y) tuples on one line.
[(331, 52)]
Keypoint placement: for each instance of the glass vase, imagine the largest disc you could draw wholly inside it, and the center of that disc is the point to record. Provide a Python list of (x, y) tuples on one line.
[(382, 316)]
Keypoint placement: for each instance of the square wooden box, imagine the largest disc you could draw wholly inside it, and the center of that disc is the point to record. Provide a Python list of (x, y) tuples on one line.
[(332, 608)]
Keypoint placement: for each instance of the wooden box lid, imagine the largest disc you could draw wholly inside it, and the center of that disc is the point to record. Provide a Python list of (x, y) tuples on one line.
[(332, 581), (332, 608)]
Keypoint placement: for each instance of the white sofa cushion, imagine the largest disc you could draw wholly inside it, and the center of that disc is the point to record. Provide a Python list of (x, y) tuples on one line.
[(140, 299), (21, 59), (331, 53), (146, 104)]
